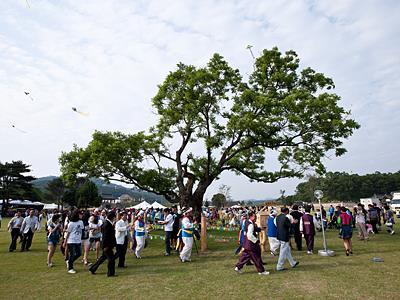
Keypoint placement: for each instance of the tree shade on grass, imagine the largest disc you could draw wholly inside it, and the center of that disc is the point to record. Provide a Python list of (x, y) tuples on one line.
[(209, 276)]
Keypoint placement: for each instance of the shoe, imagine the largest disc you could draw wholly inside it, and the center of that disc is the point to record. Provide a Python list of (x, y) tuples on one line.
[(273, 253), (283, 269), (263, 273), (240, 271), (167, 254), (347, 252), (92, 272), (351, 251), (295, 265), (392, 233), (72, 271), (50, 265), (310, 252)]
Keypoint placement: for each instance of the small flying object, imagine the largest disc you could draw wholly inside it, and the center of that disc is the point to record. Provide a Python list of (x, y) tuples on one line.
[(29, 95), (79, 112), (20, 130)]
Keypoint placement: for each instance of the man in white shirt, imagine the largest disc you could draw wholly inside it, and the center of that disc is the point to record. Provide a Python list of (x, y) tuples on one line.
[(121, 235), (28, 228), (168, 228), (14, 226)]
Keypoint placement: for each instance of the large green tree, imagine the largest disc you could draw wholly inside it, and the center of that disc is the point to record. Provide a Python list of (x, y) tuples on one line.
[(88, 195), (55, 191), (211, 121), (14, 183)]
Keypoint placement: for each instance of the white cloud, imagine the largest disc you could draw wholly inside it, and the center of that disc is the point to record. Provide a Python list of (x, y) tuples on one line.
[(107, 57)]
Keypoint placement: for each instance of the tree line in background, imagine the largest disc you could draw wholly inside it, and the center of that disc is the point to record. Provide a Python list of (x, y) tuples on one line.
[(345, 187), (16, 184)]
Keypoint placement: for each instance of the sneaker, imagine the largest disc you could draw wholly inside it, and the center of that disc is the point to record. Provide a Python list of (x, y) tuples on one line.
[(392, 232), (310, 252), (273, 253), (283, 269), (263, 273), (50, 265), (240, 271), (72, 271), (295, 265)]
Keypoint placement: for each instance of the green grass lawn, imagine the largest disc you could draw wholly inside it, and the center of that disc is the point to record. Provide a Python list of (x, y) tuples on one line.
[(24, 275)]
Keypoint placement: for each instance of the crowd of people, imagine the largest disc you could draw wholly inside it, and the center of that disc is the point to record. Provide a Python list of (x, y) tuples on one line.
[(76, 232), (110, 233)]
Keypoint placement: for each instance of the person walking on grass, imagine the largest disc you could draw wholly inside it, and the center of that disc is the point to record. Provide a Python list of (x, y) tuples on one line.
[(251, 246), (140, 234), (272, 233), (14, 226), (28, 228), (296, 226), (187, 235), (283, 225), (168, 223), (85, 238), (361, 220), (109, 243), (73, 239), (307, 228), (121, 235), (389, 217), (54, 231), (346, 230), (95, 226)]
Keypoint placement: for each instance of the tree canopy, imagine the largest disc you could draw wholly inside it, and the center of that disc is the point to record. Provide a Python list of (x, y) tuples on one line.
[(211, 120), (14, 183)]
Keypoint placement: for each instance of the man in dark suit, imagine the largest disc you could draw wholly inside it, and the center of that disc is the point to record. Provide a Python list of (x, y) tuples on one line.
[(296, 226), (283, 224), (109, 243)]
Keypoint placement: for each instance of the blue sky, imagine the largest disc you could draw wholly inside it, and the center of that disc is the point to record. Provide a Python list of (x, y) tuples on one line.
[(107, 57)]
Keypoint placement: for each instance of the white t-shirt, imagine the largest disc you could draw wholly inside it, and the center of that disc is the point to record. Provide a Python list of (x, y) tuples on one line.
[(170, 223), (75, 232)]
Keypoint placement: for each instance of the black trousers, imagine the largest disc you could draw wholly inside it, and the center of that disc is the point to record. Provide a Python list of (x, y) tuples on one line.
[(121, 252), (108, 254), (14, 237), (27, 240), (168, 236), (299, 241)]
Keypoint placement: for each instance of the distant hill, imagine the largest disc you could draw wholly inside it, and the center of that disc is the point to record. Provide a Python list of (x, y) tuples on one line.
[(109, 190)]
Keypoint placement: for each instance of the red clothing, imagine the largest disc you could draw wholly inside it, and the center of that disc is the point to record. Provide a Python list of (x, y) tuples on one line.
[(345, 219)]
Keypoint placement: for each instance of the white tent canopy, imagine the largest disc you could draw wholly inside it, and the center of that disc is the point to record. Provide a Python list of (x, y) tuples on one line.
[(157, 205), (141, 205), (50, 206)]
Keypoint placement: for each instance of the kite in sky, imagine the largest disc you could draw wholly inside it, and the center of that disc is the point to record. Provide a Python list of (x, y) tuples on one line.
[(79, 112), (20, 130), (29, 95)]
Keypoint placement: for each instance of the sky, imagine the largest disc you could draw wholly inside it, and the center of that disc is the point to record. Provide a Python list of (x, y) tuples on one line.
[(106, 58)]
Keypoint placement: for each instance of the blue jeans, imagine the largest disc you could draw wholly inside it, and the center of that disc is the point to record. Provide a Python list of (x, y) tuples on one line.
[(74, 251)]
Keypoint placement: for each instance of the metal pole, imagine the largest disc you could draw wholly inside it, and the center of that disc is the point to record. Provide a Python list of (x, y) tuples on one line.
[(322, 224)]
